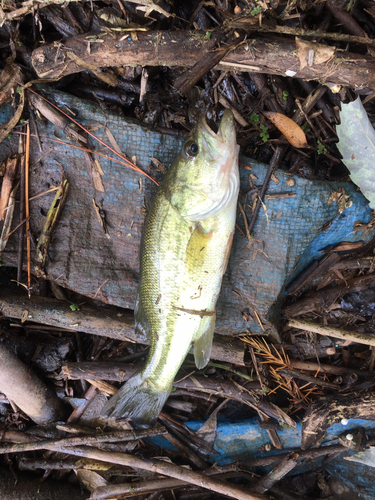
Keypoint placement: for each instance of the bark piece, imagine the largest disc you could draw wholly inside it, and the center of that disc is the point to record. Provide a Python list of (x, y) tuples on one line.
[(324, 298), (180, 48)]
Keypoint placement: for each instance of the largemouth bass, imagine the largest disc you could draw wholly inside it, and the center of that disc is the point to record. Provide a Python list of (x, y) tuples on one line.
[(184, 253)]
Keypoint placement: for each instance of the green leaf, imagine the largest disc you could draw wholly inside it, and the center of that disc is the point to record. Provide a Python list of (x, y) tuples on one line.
[(264, 133), (256, 11), (254, 119), (74, 307), (357, 146), (321, 148)]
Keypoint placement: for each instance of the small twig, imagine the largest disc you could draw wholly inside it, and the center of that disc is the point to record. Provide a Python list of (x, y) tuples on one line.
[(77, 412), (93, 151), (229, 369), (51, 190), (226, 104), (110, 437), (40, 157), (286, 465), (15, 229), (164, 468), (330, 331), (187, 451), (101, 286), (27, 164), (254, 360), (154, 485), (309, 379), (302, 454), (242, 210), (21, 236)]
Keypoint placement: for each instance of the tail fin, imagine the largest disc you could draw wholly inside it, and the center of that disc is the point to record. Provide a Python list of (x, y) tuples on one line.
[(137, 400)]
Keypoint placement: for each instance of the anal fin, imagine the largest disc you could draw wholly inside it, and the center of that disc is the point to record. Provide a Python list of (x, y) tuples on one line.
[(203, 343)]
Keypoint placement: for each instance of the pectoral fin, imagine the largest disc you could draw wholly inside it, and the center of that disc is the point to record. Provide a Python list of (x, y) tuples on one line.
[(203, 342)]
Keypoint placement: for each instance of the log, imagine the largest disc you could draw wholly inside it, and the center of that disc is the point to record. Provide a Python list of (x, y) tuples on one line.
[(29, 393), (112, 322), (268, 54)]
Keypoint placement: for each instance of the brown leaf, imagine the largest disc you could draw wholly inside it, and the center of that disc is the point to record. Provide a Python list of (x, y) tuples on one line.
[(311, 54), (293, 132)]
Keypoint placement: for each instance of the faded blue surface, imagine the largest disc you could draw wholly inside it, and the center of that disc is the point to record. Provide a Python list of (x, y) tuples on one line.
[(289, 234), (358, 477), (241, 441), (341, 229)]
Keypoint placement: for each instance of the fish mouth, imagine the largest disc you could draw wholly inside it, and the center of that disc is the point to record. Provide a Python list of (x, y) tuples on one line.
[(224, 138)]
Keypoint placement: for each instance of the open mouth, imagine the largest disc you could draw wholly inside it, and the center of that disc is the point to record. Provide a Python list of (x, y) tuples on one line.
[(225, 136)]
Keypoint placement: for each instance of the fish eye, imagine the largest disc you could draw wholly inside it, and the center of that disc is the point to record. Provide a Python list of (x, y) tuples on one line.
[(191, 149)]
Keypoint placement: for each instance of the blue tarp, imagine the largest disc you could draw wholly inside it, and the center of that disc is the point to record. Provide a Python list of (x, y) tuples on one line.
[(242, 441), (289, 231)]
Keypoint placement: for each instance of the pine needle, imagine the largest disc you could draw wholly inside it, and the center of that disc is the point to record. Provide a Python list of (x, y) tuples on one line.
[(276, 361)]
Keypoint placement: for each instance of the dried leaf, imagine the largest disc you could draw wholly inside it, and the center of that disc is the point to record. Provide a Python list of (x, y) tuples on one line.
[(97, 178), (292, 132), (8, 219), (48, 227), (7, 186), (149, 6), (357, 146), (311, 54)]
